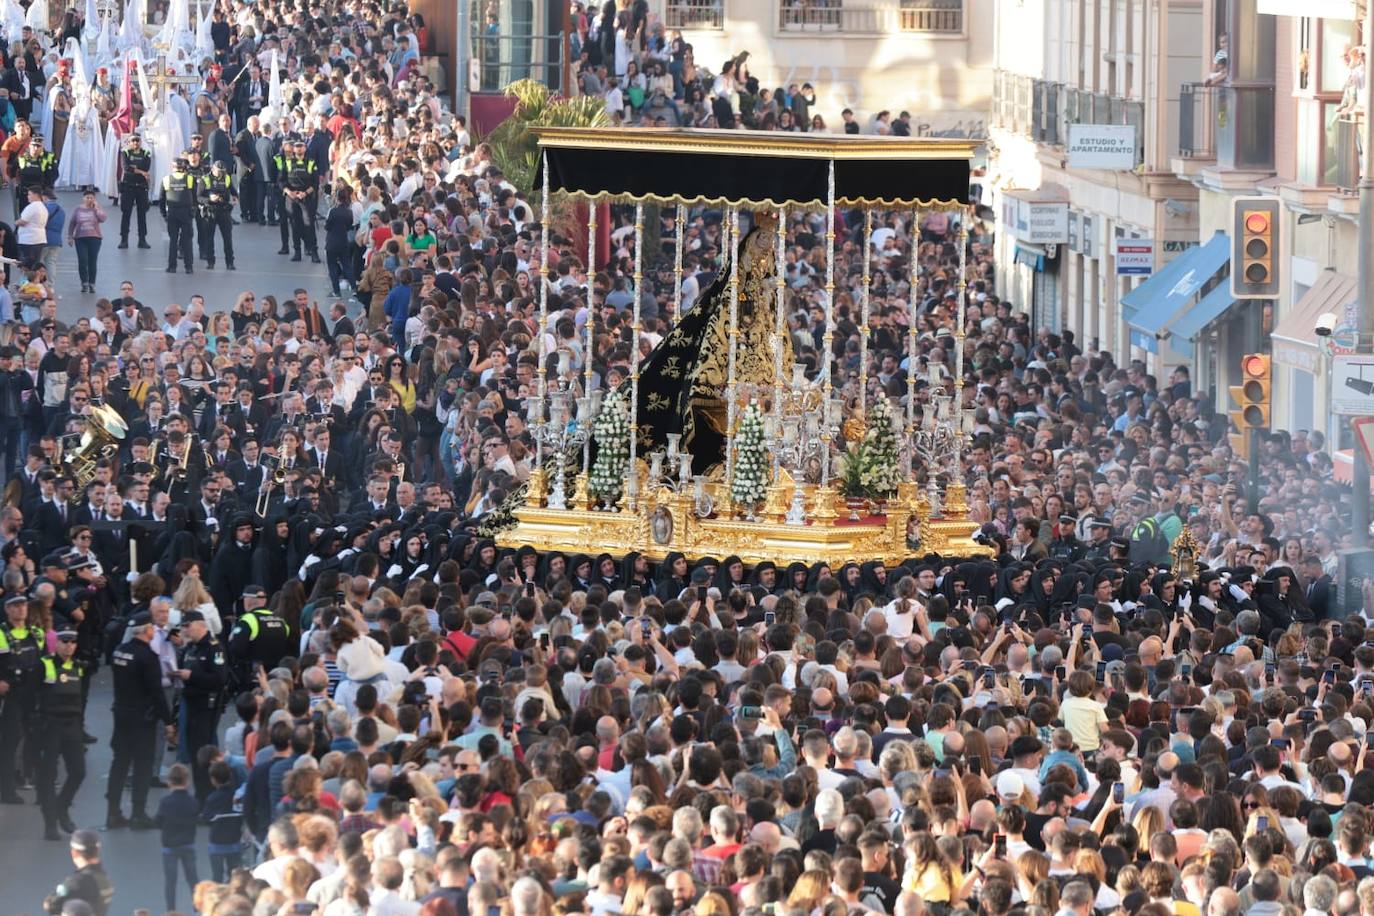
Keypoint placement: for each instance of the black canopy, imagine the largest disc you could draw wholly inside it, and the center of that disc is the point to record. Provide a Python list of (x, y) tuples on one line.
[(762, 168)]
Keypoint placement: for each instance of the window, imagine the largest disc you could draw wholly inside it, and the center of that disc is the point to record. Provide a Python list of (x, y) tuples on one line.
[(695, 14), (1323, 47), (870, 17)]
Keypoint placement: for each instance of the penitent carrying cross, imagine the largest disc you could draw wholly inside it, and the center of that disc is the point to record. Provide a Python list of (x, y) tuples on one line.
[(165, 78)]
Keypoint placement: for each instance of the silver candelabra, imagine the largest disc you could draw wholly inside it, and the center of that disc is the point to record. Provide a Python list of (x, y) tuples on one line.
[(567, 428)]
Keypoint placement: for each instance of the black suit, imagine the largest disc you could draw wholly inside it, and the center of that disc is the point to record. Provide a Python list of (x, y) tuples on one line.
[(332, 469), (21, 91), (247, 481), (211, 418), (221, 148), (343, 328), (1318, 594), (52, 523), (250, 175)]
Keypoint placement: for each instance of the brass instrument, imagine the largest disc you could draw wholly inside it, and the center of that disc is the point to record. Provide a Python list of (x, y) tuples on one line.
[(180, 466), (400, 472), (152, 460), (104, 430), (265, 491)]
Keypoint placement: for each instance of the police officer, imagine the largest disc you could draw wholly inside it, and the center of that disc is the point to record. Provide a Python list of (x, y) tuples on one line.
[(302, 189), (37, 170), (61, 734), (1066, 546), (178, 205), (204, 675), (21, 655), (197, 168), (88, 883), (217, 197), (1100, 546), (277, 202), (66, 611), (139, 704), (136, 164), (259, 637)]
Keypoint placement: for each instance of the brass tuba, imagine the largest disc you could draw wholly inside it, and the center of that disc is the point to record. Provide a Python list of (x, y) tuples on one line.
[(104, 430)]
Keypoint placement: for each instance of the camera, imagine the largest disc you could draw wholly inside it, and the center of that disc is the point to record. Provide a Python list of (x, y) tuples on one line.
[(1326, 324)]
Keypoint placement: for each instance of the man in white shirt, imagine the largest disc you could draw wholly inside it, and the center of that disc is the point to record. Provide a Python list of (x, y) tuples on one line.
[(284, 842), (176, 326)]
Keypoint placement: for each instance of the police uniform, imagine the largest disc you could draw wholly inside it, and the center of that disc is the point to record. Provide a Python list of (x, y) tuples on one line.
[(276, 200), (202, 698), (139, 704), (258, 637), (60, 737), (89, 883), (21, 654), (133, 193), (178, 205), (302, 177), (217, 194), (198, 170), (34, 171)]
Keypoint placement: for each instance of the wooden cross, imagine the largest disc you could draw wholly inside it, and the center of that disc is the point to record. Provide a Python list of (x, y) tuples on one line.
[(165, 82)]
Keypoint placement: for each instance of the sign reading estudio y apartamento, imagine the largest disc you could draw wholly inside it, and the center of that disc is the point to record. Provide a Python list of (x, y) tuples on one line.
[(1101, 146)]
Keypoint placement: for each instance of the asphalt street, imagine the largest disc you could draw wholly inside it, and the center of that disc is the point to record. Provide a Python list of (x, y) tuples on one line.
[(260, 268), (31, 866)]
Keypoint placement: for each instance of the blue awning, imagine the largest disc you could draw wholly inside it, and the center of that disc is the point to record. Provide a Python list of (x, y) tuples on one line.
[(1153, 304), (1032, 256), (1191, 322)]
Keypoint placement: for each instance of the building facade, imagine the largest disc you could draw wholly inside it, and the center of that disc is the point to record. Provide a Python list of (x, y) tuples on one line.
[(932, 58), (1084, 120)]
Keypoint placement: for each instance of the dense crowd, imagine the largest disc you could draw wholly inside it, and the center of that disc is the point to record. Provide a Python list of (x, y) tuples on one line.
[(358, 704)]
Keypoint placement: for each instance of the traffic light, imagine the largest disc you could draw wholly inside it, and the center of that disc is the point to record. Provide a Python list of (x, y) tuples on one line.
[(1255, 248), (1252, 397)]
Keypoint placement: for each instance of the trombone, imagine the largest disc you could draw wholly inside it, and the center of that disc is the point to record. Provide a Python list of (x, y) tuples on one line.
[(277, 478)]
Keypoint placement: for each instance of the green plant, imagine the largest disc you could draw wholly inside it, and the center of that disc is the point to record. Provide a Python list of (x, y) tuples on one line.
[(514, 144), (850, 476)]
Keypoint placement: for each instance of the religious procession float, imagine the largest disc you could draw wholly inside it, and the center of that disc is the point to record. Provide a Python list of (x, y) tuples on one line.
[(718, 443)]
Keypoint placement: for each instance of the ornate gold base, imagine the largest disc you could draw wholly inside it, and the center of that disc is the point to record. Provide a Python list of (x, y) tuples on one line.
[(665, 522)]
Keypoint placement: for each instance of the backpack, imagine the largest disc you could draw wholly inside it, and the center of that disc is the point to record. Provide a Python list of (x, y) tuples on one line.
[(1148, 543)]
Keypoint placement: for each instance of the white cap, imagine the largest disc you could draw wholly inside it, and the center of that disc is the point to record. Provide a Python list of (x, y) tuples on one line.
[(1010, 786)]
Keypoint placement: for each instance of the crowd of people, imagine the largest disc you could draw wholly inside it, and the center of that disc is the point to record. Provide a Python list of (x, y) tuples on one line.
[(649, 76), (331, 682)]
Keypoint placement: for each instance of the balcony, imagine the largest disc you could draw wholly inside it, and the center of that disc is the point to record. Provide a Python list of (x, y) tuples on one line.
[(924, 17), (1348, 133), (1043, 110), (1196, 118), (1226, 129), (695, 14)]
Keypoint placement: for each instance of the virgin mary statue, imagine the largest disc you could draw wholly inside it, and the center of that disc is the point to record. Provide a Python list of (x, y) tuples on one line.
[(682, 382)]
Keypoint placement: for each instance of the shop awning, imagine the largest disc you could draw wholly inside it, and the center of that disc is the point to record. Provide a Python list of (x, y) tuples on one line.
[(1191, 323), (1032, 256), (1151, 306), (1295, 337)]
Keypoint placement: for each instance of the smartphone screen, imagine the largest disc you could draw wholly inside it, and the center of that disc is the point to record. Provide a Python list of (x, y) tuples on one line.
[(1101, 672), (1001, 846), (975, 765), (1061, 672), (1118, 792), (769, 618), (989, 679), (1262, 822)]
